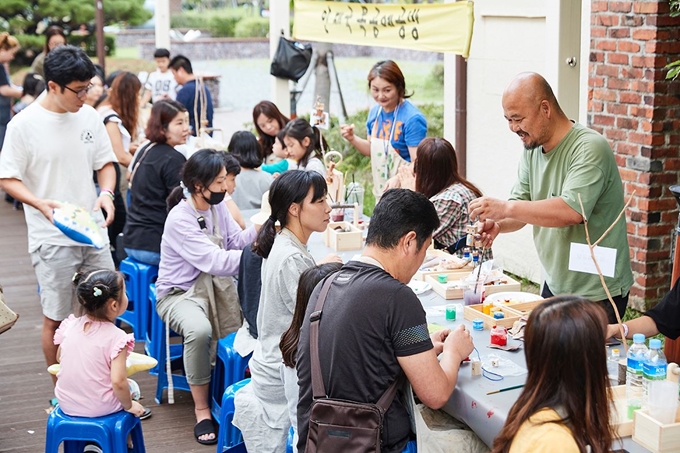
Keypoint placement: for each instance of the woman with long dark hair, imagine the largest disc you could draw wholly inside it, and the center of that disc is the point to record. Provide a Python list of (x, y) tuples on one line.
[(9, 45), (298, 204), (156, 169), (54, 37), (268, 122), (200, 253), (290, 338), (395, 126), (564, 406), (436, 176)]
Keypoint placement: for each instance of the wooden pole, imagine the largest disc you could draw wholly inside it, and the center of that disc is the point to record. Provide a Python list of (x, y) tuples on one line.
[(101, 48)]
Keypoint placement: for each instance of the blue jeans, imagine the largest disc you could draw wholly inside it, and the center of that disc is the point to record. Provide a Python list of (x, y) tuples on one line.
[(144, 256)]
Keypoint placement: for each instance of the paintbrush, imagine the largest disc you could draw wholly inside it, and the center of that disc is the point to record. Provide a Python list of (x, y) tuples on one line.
[(505, 389)]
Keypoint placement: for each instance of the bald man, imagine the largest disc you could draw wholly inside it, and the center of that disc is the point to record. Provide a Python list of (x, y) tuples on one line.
[(562, 159)]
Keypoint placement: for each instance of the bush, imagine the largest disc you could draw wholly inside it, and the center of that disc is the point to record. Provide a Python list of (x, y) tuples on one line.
[(31, 46), (89, 43), (220, 23), (252, 27)]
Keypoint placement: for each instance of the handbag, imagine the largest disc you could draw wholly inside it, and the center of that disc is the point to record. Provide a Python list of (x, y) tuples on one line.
[(335, 425), (7, 316), (291, 59)]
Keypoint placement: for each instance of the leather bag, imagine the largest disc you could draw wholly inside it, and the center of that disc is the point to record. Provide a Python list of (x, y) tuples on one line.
[(291, 59), (339, 426)]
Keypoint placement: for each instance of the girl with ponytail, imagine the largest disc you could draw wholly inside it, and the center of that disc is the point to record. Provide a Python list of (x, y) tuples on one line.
[(305, 145)]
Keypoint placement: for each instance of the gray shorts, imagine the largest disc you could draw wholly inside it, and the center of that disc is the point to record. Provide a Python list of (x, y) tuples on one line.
[(55, 266)]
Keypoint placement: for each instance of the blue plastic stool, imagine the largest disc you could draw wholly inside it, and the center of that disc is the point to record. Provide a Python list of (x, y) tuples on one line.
[(138, 276), (155, 347), (238, 448), (109, 432), (230, 367), (411, 447), (290, 448), (229, 435)]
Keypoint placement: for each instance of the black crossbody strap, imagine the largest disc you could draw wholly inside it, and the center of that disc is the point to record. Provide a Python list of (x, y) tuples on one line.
[(318, 388)]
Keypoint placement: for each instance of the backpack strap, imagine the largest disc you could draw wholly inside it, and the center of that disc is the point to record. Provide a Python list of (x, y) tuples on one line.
[(318, 389)]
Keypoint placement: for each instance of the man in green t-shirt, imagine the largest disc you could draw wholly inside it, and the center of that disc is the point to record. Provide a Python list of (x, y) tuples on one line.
[(562, 160)]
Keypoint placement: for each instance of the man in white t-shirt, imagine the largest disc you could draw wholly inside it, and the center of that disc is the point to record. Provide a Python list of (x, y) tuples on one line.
[(161, 83), (51, 149)]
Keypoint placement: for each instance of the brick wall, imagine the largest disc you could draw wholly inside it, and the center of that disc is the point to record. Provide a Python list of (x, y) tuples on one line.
[(638, 111)]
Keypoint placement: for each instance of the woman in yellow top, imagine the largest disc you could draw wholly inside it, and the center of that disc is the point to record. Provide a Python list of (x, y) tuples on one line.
[(564, 404)]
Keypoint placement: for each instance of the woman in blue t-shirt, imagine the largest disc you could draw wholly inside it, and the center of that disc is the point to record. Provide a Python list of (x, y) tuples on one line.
[(395, 126)]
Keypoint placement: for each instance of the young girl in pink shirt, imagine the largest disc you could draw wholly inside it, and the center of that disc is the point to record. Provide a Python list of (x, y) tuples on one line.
[(92, 381)]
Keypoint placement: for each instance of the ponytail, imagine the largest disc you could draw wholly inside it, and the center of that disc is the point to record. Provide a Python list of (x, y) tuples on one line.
[(8, 41), (299, 129), (291, 187)]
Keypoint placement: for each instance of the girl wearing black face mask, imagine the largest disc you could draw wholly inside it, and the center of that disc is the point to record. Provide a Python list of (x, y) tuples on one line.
[(200, 252)]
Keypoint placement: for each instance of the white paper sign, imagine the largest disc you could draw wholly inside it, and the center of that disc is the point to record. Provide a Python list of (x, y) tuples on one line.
[(581, 261)]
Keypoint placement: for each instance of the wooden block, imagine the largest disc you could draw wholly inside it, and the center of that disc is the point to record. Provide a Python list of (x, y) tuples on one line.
[(449, 292), (471, 312), (343, 240), (476, 367), (654, 436), (422, 273), (618, 412)]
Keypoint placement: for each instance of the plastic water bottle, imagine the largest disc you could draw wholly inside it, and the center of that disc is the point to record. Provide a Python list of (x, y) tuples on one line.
[(654, 366), (634, 374), (613, 366)]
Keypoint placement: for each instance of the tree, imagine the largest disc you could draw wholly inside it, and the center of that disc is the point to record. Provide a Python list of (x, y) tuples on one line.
[(33, 16), (674, 67)]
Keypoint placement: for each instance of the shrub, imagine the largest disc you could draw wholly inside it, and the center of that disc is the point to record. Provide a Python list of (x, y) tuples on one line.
[(31, 45), (89, 43), (220, 23), (252, 27)]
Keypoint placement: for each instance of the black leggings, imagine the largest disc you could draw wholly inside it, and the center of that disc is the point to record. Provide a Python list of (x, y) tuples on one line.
[(620, 301)]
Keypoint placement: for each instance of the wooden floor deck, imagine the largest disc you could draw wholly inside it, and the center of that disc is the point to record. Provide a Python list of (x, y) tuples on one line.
[(26, 387)]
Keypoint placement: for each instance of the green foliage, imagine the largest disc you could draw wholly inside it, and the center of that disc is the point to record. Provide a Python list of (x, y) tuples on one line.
[(23, 16), (220, 23), (89, 43), (31, 45), (673, 70), (252, 27), (356, 165), (675, 7)]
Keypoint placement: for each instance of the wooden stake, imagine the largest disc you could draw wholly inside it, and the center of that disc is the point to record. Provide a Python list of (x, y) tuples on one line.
[(597, 266)]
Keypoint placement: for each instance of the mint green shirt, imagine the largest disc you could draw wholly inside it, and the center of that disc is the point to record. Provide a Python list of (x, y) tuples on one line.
[(582, 163)]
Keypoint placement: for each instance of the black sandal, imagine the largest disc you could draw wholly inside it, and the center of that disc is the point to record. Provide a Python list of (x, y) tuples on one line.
[(206, 426)]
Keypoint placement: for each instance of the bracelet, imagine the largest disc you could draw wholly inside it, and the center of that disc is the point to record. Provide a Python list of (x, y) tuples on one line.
[(107, 192), (625, 331)]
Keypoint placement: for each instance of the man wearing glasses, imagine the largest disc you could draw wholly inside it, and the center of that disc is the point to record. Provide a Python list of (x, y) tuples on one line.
[(51, 149)]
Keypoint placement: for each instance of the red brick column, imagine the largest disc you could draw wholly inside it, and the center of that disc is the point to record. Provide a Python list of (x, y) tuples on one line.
[(638, 111)]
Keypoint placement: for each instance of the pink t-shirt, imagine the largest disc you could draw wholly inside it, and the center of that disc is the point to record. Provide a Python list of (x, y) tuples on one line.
[(84, 387)]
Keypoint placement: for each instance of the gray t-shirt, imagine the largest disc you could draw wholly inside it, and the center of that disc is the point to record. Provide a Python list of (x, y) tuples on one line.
[(250, 185)]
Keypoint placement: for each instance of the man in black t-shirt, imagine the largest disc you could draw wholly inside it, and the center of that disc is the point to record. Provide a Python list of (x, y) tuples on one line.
[(373, 325), (664, 317)]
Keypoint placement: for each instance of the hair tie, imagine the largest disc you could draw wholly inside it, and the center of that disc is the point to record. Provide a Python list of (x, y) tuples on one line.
[(96, 291), (273, 219), (75, 275), (185, 191)]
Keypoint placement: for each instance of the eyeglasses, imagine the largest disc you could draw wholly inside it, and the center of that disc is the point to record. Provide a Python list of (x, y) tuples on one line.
[(79, 93)]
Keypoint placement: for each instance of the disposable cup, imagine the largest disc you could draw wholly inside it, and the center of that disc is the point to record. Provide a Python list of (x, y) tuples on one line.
[(663, 401), (470, 297)]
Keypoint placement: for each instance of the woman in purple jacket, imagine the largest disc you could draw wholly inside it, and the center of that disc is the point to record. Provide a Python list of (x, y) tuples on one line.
[(200, 253)]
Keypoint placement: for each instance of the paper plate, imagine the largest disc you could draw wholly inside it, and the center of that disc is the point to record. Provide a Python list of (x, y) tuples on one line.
[(419, 287), (513, 296), (77, 223)]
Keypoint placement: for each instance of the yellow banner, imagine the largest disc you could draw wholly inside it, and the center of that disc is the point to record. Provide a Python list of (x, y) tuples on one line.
[(431, 27)]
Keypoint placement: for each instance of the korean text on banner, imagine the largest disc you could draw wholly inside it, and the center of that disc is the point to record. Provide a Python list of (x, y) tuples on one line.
[(431, 27)]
